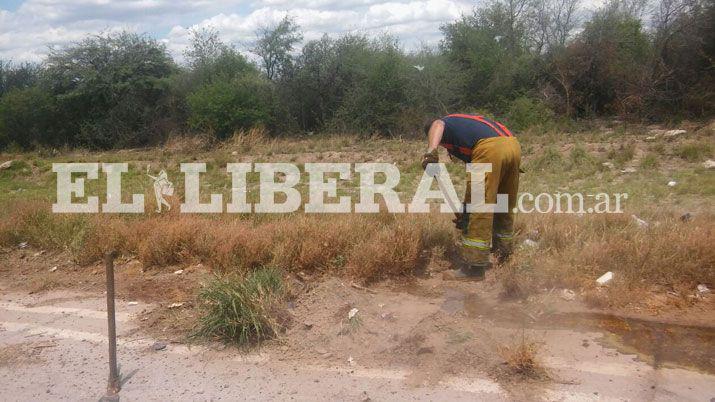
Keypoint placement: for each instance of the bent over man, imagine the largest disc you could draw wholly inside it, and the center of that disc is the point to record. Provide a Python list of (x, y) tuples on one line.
[(476, 139)]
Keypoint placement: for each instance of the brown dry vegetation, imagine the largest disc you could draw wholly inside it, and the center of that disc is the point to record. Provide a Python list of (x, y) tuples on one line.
[(366, 247), (521, 358), (572, 250)]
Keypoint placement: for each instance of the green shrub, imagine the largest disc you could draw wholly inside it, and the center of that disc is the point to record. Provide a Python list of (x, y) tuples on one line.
[(550, 157), (377, 98), (694, 151), (582, 162), (650, 161), (225, 106), (24, 117), (622, 154), (526, 112), (242, 309), (109, 90)]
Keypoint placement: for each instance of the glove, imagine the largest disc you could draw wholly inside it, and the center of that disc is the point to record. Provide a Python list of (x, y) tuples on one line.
[(430, 157), (461, 221)]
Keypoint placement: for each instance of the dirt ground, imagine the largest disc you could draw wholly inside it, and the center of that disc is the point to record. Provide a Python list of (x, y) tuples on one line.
[(429, 329)]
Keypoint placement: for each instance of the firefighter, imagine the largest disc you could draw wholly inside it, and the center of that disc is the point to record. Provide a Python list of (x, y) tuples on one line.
[(477, 139)]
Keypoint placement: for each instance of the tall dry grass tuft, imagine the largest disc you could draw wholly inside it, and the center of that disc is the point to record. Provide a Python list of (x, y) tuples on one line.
[(104, 234), (240, 245), (34, 223), (521, 358), (171, 240), (318, 243), (392, 250), (253, 140), (187, 144), (365, 246), (574, 251)]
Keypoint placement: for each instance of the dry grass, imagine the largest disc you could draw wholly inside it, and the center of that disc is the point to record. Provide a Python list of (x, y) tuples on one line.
[(188, 143), (521, 359), (253, 140), (366, 247), (574, 251)]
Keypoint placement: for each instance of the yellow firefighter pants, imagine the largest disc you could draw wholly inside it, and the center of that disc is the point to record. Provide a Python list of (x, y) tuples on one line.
[(487, 231)]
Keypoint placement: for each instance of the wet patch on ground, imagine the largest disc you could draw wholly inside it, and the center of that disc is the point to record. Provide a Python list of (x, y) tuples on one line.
[(658, 343)]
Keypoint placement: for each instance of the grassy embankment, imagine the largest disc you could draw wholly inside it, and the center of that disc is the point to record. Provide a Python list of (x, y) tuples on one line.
[(571, 252)]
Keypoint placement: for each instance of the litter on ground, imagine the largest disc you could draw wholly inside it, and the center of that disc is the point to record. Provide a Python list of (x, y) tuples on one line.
[(605, 278)]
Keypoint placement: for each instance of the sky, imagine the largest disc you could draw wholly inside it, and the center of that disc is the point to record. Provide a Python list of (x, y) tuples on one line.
[(29, 27)]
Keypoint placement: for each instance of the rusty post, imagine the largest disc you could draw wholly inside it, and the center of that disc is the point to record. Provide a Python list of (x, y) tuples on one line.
[(113, 385)]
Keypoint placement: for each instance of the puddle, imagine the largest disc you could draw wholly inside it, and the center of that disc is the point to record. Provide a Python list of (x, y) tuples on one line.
[(659, 344)]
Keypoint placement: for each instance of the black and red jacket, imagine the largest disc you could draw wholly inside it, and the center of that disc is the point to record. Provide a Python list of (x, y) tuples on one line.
[(463, 131)]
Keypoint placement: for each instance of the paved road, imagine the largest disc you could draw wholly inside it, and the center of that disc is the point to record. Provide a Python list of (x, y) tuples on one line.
[(53, 347)]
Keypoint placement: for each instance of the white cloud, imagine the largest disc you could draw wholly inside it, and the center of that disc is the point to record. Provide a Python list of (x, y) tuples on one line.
[(26, 33)]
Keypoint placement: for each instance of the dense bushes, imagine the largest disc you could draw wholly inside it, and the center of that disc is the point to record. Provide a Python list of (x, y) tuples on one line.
[(25, 115), (108, 90), (224, 106), (525, 62)]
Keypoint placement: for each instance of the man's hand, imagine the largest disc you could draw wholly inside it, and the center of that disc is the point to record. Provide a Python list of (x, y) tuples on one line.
[(461, 221), (430, 157)]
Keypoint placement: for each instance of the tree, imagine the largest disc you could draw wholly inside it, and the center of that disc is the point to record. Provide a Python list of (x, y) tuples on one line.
[(204, 47), (605, 69), (211, 59), (107, 89), (491, 48), (19, 76), (25, 116), (224, 106), (378, 95), (551, 23), (275, 45), (684, 51)]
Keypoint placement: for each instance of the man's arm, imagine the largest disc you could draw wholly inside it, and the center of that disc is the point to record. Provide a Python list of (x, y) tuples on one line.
[(434, 137)]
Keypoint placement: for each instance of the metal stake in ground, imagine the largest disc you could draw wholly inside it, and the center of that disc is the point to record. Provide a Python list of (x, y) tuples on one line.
[(113, 385)]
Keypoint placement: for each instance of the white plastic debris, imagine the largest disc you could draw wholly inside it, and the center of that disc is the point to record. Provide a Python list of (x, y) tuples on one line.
[(534, 235), (651, 138), (53, 269), (672, 183), (133, 303), (179, 272), (419, 68), (568, 294), (702, 289), (673, 133), (605, 278), (640, 222), (352, 313), (629, 170), (22, 245), (709, 164), (351, 361), (175, 305), (530, 243)]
